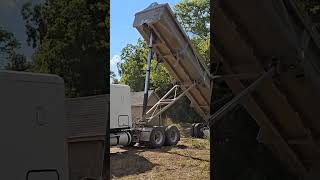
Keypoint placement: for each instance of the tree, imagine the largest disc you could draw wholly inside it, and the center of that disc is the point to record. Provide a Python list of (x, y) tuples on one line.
[(70, 38), (194, 16), (18, 62), (132, 68), (8, 46), (10, 59), (113, 78)]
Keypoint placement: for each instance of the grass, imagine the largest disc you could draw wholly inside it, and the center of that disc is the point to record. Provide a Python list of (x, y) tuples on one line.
[(198, 143), (190, 159)]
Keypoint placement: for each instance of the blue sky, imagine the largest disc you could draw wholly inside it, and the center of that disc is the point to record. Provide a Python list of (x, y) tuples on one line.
[(121, 29)]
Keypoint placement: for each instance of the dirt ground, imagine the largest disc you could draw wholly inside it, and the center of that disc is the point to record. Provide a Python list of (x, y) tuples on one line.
[(190, 159)]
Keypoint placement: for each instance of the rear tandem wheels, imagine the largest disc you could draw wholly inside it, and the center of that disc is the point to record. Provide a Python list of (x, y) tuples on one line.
[(156, 136), (199, 130)]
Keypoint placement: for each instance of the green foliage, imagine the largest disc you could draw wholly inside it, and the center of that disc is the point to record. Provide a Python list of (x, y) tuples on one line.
[(133, 67), (113, 78), (9, 58), (202, 45), (8, 46), (71, 40), (18, 62), (8, 43), (183, 112), (194, 16)]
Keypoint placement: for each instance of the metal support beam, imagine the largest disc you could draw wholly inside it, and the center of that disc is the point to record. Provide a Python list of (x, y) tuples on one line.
[(158, 108), (236, 76), (146, 84), (236, 100), (283, 151)]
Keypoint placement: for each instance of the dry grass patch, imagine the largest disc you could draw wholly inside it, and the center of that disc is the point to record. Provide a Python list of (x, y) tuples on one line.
[(188, 160)]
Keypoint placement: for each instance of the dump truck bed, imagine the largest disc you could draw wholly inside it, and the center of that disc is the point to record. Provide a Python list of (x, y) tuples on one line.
[(177, 53), (247, 36)]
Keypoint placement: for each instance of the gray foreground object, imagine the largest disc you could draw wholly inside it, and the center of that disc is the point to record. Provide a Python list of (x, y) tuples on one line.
[(32, 130)]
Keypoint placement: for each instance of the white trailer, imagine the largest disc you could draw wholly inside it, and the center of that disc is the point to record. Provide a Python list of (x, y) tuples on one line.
[(32, 127)]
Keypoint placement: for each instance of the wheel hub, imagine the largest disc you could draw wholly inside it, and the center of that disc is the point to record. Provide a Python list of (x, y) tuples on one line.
[(158, 137)]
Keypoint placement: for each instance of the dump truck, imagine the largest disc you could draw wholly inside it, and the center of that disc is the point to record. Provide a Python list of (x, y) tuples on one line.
[(265, 54), (87, 117), (165, 37)]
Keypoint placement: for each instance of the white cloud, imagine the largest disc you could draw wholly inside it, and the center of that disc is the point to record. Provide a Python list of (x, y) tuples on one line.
[(114, 60)]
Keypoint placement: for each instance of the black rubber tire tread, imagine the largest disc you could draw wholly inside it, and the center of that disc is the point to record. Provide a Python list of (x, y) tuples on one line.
[(168, 141), (192, 130), (197, 130), (152, 144)]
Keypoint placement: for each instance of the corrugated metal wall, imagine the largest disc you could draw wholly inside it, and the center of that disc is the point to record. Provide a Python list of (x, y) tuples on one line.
[(86, 116)]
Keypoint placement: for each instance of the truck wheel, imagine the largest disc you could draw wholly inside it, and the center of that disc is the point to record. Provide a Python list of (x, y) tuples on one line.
[(192, 130), (198, 130), (157, 137), (172, 136)]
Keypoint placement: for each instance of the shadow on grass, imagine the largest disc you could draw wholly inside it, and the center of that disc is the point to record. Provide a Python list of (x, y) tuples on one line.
[(129, 163)]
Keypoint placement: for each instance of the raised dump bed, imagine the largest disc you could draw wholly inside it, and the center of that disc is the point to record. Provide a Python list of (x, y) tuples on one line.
[(177, 53), (249, 35)]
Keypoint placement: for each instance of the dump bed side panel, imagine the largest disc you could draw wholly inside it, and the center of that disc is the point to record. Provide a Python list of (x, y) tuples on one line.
[(177, 53), (248, 35)]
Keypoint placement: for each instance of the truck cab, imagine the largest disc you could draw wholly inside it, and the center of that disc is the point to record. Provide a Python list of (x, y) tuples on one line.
[(120, 108)]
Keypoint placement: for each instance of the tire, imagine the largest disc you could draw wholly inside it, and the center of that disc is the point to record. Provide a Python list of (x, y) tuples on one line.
[(197, 130), (157, 137), (172, 136), (192, 130)]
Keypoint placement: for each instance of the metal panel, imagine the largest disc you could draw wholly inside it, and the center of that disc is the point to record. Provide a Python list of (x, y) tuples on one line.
[(120, 106), (87, 116), (86, 158), (32, 124), (248, 34)]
